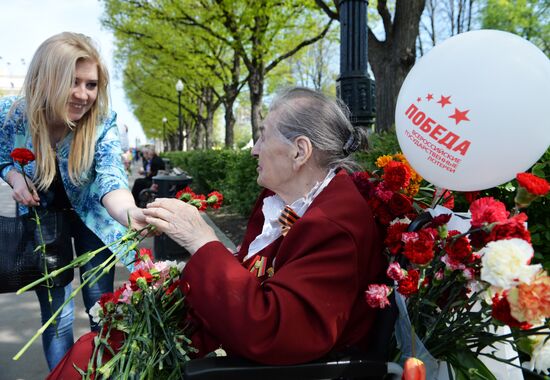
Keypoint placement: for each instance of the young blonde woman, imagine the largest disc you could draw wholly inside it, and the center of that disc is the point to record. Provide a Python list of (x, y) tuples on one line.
[(63, 117)]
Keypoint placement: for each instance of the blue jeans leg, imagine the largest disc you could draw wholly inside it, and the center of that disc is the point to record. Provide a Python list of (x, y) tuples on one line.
[(85, 241), (56, 339)]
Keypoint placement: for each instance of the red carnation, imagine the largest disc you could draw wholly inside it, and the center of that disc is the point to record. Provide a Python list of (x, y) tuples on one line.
[(510, 229), (381, 211), (214, 199), (459, 249), (530, 187), (362, 182), (488, 210), (533, 184), (200, 202), (501, 311), (393, 237), (444, 198), (108, 300), (471, 196), (186, 194), (448, 200), (22, 155), (400, 204), (140, 255), (173, 287), (409, 285), (419, 249), (396, 175), (140, 273), (440, 220)]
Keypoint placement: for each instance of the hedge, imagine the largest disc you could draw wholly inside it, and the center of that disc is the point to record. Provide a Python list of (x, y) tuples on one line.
[(232, 172)]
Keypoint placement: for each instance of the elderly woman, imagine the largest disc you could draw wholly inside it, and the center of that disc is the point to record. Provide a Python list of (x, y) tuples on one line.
[(295, 289)]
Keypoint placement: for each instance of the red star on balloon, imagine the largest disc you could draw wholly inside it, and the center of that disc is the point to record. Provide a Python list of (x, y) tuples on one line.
[(459, 116), (429, 97), (444, 100), (419, 99)]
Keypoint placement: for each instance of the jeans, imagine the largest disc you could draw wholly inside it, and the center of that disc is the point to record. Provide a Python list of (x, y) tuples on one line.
[(57, 339)]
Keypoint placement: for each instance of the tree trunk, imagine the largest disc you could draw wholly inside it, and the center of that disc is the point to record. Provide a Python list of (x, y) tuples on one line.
[(199, 122), (187, 136), (231, 92), (392, 59), (229, 123), (256, 85)]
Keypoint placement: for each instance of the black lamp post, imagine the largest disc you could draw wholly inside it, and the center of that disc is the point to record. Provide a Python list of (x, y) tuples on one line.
[(164, 120), (355, 86), (179, 89)]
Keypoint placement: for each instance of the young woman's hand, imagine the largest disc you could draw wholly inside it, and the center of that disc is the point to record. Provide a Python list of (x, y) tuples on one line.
[(181, 222), (24, 192)]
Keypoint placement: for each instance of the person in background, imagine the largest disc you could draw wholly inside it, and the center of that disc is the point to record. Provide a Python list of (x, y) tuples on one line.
[(295, 290), (124, 142), (64, 118), (151, 165)]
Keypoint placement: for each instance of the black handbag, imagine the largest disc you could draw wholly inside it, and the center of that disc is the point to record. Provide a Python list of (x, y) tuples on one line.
[(20, 262)]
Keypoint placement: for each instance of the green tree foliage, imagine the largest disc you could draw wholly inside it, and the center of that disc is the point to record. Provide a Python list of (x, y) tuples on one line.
[(263, 33), (529, 19), (214, 46)]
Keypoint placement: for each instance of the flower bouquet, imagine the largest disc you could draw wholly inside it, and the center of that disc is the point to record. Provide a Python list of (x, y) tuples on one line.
[(142, 332), (151, 290), (464, 284)]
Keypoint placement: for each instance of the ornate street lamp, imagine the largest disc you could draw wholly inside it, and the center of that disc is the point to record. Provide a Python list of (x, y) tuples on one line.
[(164, 120), (355, 86), (179, 89)]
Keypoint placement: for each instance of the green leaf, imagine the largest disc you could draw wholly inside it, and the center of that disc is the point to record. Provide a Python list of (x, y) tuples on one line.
[(468, 367)]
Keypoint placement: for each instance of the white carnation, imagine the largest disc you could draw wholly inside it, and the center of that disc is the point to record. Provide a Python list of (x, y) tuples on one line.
[(94, 312), (505, 263), (540, 358)]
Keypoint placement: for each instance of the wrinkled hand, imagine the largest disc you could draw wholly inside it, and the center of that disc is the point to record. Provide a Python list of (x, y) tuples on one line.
[(21, 191), (181, 222), (137, 218)]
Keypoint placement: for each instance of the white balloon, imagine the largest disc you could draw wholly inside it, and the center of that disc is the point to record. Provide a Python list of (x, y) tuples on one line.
[(475, 110)]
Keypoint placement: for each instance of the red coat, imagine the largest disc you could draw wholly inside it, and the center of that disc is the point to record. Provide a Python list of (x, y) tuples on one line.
[(314, 301)]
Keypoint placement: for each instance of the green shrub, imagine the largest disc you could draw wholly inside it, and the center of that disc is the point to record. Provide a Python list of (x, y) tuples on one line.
[(232, 172), (379, 145)]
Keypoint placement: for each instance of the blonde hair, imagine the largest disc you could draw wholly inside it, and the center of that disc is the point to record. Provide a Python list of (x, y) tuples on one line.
[(47, 89)]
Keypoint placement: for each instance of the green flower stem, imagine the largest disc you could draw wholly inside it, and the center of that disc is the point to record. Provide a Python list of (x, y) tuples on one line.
[(51, 320), (101, 267), (77, 262)]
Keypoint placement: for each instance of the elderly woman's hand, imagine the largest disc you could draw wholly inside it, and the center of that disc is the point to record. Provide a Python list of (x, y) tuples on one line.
[(181, 222)]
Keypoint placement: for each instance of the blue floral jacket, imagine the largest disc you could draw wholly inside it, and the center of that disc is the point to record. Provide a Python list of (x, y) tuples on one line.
[(106, 174)]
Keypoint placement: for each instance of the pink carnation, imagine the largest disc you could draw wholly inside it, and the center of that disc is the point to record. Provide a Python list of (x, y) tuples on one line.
[(395, 272), (377, 296)]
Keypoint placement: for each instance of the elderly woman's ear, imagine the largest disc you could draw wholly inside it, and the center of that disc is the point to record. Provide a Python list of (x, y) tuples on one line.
[(303, 151)]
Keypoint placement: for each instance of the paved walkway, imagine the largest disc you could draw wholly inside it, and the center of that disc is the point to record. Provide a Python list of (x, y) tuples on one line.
[(20, 315)]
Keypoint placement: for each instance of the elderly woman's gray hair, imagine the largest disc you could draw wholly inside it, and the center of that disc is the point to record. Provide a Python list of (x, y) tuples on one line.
[(324, 120)]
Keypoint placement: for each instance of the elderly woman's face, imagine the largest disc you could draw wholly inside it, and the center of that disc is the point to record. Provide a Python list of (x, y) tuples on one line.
[(274, 157)]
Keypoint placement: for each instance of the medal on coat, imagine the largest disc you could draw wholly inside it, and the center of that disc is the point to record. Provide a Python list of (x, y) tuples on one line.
[(258, 265)]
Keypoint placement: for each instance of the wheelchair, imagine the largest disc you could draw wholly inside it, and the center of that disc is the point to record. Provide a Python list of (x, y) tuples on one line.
[(339, 366)]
